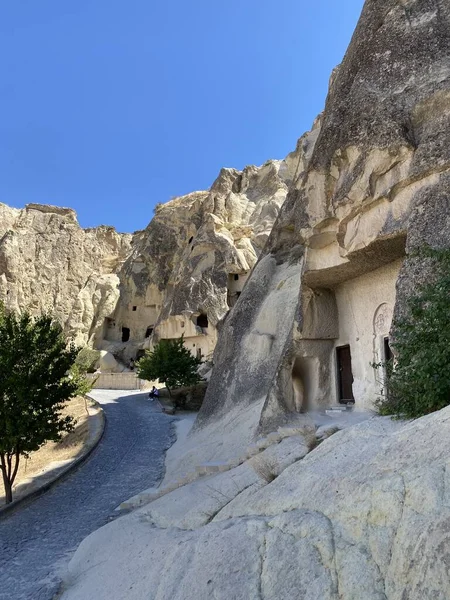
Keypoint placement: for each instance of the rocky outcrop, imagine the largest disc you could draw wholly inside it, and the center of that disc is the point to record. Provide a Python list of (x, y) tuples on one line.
[(49, 263), (317, 309), (364, 515), (189, 266), (122, 293)]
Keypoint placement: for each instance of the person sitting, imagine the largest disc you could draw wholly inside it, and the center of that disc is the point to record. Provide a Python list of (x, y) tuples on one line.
[(154, 393)]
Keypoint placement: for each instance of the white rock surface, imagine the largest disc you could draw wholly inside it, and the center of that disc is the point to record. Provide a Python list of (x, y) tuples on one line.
[(107, 363), (194, 257), (366, 515), (49, 263)]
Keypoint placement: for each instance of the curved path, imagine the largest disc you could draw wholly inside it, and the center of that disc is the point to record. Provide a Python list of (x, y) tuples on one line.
[(38, 539)]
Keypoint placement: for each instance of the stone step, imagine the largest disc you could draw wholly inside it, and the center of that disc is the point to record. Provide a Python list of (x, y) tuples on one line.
[(335, 411)]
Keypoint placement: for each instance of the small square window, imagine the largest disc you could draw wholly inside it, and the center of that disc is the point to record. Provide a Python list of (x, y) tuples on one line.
[(134, 308), (236, 277)]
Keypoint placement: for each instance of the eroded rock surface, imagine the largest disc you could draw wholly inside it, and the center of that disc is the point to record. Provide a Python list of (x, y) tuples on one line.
[(49, 263), (364, 515), (189, 266), (179, 276), (375, 186)]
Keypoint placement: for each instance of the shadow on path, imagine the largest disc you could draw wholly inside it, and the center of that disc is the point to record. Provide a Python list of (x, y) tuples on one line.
[(39, 537)]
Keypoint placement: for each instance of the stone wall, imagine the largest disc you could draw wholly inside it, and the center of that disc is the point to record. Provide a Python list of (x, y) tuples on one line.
[(117, 381)]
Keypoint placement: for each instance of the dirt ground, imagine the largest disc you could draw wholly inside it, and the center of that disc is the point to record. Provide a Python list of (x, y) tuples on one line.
[(69, 447)]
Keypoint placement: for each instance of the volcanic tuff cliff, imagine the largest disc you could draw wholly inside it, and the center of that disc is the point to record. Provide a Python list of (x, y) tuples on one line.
[(120, 292), (336, 267), (365, 514), (190, 264), (48, 263)]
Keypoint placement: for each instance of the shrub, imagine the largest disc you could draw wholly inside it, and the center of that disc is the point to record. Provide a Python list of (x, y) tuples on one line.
[(87, 359), (418, 383), (266, 467)]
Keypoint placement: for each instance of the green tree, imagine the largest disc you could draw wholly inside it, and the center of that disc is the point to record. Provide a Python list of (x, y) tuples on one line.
[(418, 382), (36, 380), (170, 362)]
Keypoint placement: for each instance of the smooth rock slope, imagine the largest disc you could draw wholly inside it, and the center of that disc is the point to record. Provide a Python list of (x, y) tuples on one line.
[(364, 515)]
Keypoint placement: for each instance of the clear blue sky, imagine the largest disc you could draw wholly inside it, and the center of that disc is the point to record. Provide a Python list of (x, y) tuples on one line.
[(111, 106)]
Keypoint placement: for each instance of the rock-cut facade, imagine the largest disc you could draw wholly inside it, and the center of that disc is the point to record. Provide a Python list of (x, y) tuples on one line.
[(316, 312), (123, 293), (300, 264)]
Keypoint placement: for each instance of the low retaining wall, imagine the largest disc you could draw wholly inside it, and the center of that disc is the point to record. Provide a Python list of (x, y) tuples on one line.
[(118, 381)]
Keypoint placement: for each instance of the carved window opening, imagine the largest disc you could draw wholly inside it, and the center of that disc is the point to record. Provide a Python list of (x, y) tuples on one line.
[(134, 308), (125, 334), (236, 277), (387, 350), (202, 321), (148, 332)]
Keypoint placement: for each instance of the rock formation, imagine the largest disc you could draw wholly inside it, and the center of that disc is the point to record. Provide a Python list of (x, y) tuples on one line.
[(318, 307), (179, 276), (189, 266), (365, 515), (49, 263)]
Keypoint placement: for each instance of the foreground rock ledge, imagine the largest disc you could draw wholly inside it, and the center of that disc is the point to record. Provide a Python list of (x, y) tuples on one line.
[(365, 515)]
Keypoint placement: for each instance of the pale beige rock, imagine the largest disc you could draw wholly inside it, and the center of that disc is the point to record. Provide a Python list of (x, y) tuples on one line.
[(192, 259), (195, 257), (107, 363), (49, 263), (372, 187), (365, 515)]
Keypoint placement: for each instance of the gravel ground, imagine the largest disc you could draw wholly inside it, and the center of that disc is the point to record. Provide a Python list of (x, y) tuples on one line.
[(38, 539)]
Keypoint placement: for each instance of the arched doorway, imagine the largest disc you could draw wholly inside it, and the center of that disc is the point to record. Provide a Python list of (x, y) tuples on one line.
[(305, 380)]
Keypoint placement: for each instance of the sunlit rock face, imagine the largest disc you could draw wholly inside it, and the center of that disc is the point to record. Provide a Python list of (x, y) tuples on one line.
[(365, 515), (189, 266), (48, 263), (318, 307), (179, 276)]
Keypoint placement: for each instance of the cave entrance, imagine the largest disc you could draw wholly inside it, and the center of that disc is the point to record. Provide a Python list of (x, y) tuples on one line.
[(202, 321), (305, 373), (125, 334)]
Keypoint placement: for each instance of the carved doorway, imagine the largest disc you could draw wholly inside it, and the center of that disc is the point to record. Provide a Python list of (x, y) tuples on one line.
[(345, 375)]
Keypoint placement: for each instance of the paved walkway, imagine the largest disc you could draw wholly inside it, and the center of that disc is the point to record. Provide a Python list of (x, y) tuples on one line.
[(38, 539)]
